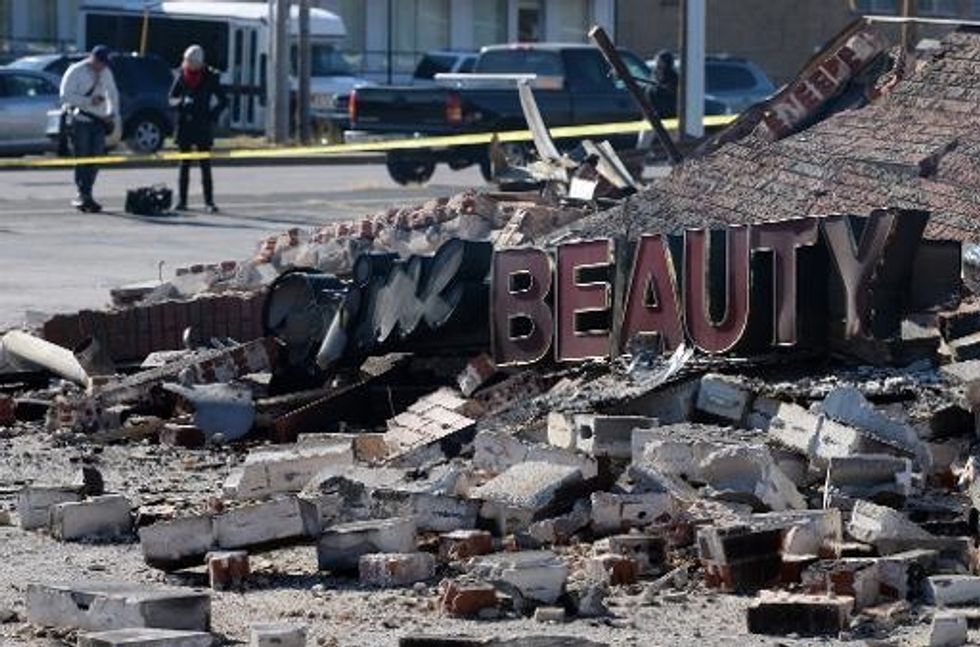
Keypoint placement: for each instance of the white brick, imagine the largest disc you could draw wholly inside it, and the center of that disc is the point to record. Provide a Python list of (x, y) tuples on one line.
[(340, 547), (34, 504), (949, 629), (620, 512), (265, 522), (280, 634), (723, 397), (396, 569), (273, 472), (953, 590), (102, 517), (145, 637)]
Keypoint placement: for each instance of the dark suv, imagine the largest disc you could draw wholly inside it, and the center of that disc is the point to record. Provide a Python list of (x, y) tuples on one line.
[(144, 85)]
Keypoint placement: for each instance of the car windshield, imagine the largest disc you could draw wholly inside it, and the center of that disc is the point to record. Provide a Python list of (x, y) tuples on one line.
[(30, 63), (432, 64), (726, 77), (520, 61), (327, 61)]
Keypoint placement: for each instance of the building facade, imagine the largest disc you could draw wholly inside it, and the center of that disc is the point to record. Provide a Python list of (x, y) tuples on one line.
[(779, 35), (412, 27)]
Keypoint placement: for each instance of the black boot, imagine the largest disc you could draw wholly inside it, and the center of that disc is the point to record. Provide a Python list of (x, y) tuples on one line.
[(183, 179)]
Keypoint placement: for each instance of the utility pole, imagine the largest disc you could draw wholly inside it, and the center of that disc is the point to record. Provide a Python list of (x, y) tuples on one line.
[(390, 41), (305, 60), (277, 73), (691, 87), (909, 31)]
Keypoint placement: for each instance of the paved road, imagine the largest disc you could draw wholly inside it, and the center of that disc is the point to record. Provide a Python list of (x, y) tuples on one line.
[(57, 260)]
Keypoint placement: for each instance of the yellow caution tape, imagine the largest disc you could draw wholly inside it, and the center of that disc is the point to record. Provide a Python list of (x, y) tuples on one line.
[(592, 130)]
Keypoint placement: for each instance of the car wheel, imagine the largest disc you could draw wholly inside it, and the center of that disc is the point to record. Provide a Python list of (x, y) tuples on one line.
[(146, 134), (406, 170)]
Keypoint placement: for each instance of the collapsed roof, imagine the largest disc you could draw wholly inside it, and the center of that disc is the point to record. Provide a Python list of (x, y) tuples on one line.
[(917, 146)]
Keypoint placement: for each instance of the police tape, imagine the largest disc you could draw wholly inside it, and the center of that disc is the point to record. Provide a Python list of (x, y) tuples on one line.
[(326, 150)]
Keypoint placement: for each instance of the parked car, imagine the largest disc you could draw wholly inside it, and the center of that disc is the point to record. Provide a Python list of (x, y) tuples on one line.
[(52, 63), (732, 84), (573, 86), (144, 84), (442, 62), (26, 96)]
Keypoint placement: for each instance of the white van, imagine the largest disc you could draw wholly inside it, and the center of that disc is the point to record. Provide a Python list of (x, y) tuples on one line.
[(235, 36)]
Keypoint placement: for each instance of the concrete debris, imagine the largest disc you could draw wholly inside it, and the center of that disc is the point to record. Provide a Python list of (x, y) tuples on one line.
[(780, 613), (145, 638), (532, 577), (278, 634), (388, 570), (104, 606), (340, 548), (949, 629), (278, 471), (563, 432), (103, 517)]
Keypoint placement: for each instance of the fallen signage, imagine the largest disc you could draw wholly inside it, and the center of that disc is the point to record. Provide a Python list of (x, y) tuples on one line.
[(805, 282)]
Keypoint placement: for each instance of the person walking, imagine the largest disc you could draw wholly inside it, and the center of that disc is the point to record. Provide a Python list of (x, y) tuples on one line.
[(199, 99), (89, 95)]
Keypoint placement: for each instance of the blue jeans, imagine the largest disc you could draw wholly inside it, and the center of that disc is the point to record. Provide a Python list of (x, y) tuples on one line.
[(88, 139)]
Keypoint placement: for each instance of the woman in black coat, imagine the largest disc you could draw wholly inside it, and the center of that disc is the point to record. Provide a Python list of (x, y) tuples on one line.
[(199, 99)]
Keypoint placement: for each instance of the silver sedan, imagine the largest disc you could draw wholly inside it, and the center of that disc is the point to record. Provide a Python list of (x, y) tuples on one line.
[(25, 99)]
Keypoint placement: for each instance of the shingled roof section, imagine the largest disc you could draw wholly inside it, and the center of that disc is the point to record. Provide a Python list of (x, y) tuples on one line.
[(917, 147)]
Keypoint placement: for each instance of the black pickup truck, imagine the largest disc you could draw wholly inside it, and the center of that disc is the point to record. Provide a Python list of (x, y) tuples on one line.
[(573, 86)]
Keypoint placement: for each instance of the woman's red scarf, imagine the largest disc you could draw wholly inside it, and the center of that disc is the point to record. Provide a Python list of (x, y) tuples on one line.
[(192, 78)]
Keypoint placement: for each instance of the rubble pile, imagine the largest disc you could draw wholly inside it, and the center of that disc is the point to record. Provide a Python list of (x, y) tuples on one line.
[(344, 397), (914, 147)]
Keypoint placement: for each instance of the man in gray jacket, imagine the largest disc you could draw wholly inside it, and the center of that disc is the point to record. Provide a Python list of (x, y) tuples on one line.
[(88, 92)]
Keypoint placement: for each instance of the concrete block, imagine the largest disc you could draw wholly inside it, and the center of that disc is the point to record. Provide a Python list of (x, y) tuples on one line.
[(266, 473), (560, 529), (467, 599), (464, 544), (387, 570), (670, 405), (526, 492), (34, 504), (815, 436), (553, 615), (780, 614), (750, 469), (948, 629), (495, 452), (174, 544), (103, 606), (537, 577), (145, 638), (724, 397), (953, 590), (432, 512), (265, 523), (621, 512), (228, 569), (887, 529), (902, 575), (848, 406), (340, 547), (104, 517), (278, 634), (609, 436), (867, 476)]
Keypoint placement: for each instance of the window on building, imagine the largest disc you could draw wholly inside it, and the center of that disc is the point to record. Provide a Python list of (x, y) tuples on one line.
[(418, 26), (975, 8), (572, 22), (489, 22), (877, 6), (938, 8), (530, 21)]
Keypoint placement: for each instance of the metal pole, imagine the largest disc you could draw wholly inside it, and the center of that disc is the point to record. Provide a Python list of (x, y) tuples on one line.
[(909, 31), (305, 60), (390, 41), (271, 88), (144, 34), (598, 36), (692, 69), (282, 71)]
